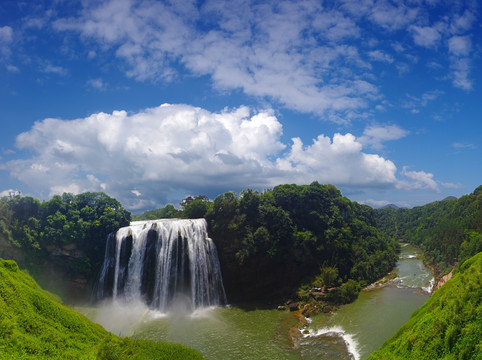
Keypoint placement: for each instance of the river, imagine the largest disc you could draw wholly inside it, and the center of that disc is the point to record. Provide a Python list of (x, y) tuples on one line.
[(352, 332)]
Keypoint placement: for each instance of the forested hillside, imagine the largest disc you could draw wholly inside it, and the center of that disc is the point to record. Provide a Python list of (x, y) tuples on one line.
[(448, 325), (449, 231), (33, 325)]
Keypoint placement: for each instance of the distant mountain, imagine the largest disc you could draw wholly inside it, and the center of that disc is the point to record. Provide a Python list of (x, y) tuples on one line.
[(450, 198), (390, 206)]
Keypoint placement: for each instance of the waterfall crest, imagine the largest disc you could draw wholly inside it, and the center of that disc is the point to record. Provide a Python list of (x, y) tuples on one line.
[(162, 262)]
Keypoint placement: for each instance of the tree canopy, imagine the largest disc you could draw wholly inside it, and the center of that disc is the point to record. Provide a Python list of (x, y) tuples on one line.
[(270, 242), (82, 221)]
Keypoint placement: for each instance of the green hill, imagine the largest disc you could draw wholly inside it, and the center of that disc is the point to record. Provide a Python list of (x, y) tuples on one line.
[(448, 325), (34, 325)]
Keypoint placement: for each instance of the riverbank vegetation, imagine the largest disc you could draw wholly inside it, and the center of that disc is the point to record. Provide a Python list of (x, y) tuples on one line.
[(448, 231), (33, 325), (448, 325)]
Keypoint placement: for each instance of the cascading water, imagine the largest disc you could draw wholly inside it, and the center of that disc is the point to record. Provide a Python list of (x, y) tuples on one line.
[(162, 262)]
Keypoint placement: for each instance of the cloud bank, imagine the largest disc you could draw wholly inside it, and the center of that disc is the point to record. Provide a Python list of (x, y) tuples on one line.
[(161, 154), (308, 56)]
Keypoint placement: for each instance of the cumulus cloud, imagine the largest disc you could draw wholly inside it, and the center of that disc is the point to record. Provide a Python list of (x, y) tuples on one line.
[(159, 154), (340, 162)]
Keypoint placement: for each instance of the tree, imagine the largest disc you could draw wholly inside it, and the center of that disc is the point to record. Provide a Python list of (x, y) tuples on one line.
[(196, 209), (329, 274)]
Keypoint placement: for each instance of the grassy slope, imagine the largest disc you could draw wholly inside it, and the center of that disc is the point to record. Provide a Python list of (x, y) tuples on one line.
[(33, 325), (447, 326)]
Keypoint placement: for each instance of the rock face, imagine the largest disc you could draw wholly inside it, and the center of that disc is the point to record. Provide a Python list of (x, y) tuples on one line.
[(443, 280), (8, 251), (72, 286)]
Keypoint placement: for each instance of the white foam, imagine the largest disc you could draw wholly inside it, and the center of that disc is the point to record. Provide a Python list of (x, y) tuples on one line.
[(429, 287), (350, 341), (203, 313)]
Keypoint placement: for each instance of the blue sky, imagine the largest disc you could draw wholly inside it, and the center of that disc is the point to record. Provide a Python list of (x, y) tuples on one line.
[(150, 101)]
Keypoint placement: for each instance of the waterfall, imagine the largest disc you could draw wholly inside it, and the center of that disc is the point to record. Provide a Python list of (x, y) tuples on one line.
[(162, 262)]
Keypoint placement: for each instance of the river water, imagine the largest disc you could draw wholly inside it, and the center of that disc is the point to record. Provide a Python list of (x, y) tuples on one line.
[(352, 332)]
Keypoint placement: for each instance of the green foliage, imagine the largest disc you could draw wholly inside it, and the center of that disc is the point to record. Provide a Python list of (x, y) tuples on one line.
[(329, 274), (114, 349), (167, 212), (196, 209), (269, 242), (33, 325), (80, 223), (448, 325), (448, 231), (344, 294)]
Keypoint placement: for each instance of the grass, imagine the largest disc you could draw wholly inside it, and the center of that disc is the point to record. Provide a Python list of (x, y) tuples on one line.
[(34, 325)]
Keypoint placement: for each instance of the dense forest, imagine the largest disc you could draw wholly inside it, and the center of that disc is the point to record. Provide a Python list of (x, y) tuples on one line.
[(449, 231), (34, 325), (65, 234), (448, 325)]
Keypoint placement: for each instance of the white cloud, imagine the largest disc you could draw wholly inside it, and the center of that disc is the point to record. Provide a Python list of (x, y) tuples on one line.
[(415, 102), (374, 136), (306, 55), (392, 16), (52, 69), (340, 162), (6, 34), (459, 145), (12, 68), (389, 15), (6, 39), (419, 180), (379, 55), (462, 22), (171, 150), (452, 185), (425, 35), (460, 77), (98, 84), (459, 45), (289, 51)]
